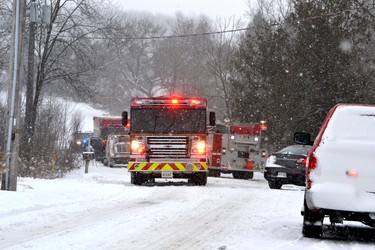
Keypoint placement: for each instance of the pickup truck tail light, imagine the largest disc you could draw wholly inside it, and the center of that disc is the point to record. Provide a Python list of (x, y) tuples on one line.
[(310, 165)]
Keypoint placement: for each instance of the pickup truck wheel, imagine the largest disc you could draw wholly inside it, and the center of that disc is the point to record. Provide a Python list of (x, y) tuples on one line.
[(274, 184), (312, 224)]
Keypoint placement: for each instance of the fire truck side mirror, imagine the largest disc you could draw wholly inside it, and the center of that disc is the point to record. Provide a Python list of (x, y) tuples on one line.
[(124, 118), (212, 118)]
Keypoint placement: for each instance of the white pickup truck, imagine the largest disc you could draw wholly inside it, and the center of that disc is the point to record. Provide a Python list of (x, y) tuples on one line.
[(340, 169), (117, 150)]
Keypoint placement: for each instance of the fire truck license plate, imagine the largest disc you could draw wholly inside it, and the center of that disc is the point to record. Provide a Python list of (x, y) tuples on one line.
[(167, 174)]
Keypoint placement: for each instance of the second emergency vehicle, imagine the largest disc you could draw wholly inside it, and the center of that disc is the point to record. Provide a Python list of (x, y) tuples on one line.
[(236, 150), (105, 126)]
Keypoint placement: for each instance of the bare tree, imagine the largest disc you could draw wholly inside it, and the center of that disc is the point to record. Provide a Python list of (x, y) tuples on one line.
[(222, 48), (177, 63), (5, 38), (62, 51), (52, 152)]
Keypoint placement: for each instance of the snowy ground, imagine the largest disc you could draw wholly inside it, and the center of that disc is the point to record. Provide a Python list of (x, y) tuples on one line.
[(102, 210)]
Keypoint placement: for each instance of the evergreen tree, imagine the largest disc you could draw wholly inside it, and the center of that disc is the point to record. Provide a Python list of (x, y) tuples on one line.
[(291, 72)]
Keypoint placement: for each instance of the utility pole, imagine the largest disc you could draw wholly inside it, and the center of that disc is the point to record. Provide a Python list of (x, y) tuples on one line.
[(13, 107), (27, 129), (38, 15)]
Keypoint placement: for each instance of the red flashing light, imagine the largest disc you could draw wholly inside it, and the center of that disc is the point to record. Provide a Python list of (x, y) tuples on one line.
[(352, 173), (161, 101)]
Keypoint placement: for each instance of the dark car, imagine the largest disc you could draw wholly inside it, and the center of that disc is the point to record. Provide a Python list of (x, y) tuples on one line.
[(287, 166)]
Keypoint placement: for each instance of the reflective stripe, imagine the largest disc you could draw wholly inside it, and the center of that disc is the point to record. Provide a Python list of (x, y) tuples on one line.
[(166, 166)]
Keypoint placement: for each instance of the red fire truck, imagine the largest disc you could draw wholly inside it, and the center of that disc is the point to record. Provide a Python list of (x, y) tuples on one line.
[(168, 139), (236, 149), (104, 126)]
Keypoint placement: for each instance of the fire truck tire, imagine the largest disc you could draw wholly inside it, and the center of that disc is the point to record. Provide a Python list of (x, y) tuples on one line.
[(137, 178), (274, 184), (199, 179), (248, 175), (236, 175), (214, 173)]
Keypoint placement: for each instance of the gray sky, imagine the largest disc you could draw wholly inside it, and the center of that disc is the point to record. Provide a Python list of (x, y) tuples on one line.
[(211, 8)]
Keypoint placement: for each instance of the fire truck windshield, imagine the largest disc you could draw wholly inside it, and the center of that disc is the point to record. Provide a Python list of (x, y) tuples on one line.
[(113, 131), (168, 120)]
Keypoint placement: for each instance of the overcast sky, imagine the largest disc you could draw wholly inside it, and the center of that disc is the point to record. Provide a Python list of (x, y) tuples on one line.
[(211, 8)]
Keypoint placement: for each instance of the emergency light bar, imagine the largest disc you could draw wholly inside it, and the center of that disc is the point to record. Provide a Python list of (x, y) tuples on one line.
[(158, 101)]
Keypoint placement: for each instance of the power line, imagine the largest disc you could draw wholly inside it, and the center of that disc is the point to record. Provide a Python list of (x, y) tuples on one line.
[(168, 37), (189, 35)]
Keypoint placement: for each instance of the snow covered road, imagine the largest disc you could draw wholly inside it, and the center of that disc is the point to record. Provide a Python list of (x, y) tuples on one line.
[(102, 210)]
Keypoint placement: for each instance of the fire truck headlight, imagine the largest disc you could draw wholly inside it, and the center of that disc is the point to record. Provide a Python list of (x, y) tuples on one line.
[(137, 147), (199, 147), (256, 139)]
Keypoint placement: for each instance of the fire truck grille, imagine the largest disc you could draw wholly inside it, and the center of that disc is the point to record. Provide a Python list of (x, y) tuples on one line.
[(168, 147)]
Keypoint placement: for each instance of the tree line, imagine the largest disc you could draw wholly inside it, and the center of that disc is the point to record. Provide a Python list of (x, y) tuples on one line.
[(295, 60), (296, 65)]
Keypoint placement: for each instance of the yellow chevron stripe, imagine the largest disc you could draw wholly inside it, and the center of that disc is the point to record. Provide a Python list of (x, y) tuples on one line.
[(204, 165), (167, 167)]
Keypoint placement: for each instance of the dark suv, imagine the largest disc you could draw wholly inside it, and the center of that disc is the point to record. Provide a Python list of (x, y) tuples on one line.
[(287, 166)]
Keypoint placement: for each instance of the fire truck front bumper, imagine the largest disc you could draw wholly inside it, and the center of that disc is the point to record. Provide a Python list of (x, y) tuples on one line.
[(179, 167)]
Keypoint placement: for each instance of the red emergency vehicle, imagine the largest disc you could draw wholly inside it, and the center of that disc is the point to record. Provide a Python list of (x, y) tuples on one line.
[(237, 150), (104, 126), (168, 138)]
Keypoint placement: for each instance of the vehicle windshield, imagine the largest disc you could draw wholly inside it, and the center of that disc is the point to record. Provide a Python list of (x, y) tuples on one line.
[(113, 131), (83, 135), (295, 149), (168, 120)]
